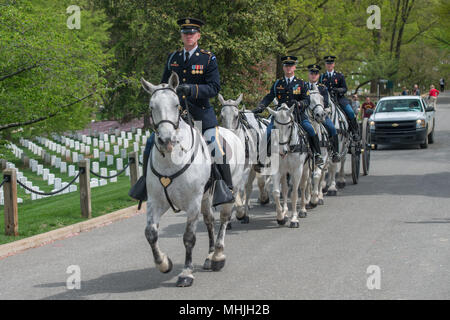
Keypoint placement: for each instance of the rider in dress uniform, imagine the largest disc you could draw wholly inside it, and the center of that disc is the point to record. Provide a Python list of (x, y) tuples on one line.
[(335, 82), (199, 81), (289, 90), (313, 77)]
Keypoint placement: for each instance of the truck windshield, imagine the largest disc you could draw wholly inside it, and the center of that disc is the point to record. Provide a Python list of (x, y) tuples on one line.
[(400, 105)]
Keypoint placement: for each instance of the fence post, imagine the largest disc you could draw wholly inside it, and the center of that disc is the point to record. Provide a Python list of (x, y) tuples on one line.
[(134, 167), (10, 195), (3, 164), (85, 188)]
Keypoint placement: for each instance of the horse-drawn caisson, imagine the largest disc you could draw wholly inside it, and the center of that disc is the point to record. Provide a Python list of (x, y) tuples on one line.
[(192, 164)]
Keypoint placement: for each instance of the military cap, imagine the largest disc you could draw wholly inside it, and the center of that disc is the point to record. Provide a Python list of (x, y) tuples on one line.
[(314, 68), (329, 59), (289, 60), (190, 25)]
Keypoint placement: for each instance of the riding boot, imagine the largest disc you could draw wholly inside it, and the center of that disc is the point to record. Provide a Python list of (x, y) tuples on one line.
[(139, 190), (258, 167), (335, 149), (315, 147), (354, 127), (223, 190)]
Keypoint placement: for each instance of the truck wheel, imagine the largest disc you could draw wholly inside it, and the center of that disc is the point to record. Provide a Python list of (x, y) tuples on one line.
[(431, 136), (425, 144)]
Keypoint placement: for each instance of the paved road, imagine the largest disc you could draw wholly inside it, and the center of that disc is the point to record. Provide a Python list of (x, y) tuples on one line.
[(397, 218)]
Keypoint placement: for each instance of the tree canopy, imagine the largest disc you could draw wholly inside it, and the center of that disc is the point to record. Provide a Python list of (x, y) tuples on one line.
[(53, 78)]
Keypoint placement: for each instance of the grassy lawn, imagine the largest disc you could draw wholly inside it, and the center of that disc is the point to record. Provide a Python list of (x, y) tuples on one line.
[(54, 212)]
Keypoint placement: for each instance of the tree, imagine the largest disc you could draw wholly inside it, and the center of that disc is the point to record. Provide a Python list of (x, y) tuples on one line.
[(49, 74)]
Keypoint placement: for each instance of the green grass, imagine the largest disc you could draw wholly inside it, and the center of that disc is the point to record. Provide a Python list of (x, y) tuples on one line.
[(54, 212)]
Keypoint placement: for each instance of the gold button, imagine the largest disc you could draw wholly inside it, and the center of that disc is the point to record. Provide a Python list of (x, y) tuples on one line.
[(184, 71), (184, 79)]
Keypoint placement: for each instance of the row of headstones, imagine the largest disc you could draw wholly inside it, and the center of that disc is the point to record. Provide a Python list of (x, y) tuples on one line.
[(57, 182), (45, 173)]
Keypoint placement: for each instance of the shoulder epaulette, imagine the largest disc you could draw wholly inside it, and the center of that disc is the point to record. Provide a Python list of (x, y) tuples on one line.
[(211, 55)]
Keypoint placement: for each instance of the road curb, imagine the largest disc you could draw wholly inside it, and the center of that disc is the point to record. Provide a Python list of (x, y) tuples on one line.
[(18, 246)]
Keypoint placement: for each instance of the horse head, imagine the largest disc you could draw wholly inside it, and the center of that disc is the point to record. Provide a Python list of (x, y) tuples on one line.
[(230, 112), (284, 122), (165, 111), (316, 104)]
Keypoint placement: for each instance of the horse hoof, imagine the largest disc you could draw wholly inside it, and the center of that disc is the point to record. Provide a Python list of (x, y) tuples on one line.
[(294, 224), (217, 265), (264, 202), (207, 264), (229, 227), (310, 205), (332, 193), (320, 202), (340, 185), (245, 220), (185, 281), (302, 214), (170, 266), (325, 189), (282, 222)]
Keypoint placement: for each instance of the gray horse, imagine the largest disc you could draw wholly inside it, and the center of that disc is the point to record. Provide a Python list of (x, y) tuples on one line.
[(232, 119), (178, 170)]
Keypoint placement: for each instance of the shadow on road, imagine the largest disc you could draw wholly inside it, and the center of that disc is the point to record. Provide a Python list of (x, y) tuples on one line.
[(117, 282), (433, 220), (430, 185)]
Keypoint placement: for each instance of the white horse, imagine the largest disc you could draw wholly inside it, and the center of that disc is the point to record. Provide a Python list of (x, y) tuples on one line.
[(178, 170), (314, 181), (290, 160), (232, 118), (339, 120)]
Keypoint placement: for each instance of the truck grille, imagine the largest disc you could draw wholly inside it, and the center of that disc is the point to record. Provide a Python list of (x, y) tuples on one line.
[(395, 126)]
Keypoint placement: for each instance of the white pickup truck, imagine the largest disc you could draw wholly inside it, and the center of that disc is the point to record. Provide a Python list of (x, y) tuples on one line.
[(402, 120)]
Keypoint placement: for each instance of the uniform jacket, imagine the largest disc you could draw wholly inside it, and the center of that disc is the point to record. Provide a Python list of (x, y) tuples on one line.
[(202, 74), (336, 81)]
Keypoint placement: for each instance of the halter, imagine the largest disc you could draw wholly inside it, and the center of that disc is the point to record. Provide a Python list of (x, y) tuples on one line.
[(175, 125), (291, 123)]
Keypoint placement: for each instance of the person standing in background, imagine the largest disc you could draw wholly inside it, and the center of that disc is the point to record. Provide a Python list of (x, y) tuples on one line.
[(416, 90), (404, 92), (442, 84), (432, 95), (367, 105)]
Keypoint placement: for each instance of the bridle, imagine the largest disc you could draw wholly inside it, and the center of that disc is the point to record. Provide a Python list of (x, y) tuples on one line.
[(290, 123), (239, 115), (154, 126), (175, 125)]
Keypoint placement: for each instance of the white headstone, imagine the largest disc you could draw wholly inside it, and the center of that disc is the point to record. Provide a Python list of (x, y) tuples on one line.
[(95, 142), (63, 167), (95, 166), (102, 156), (51, 179), (116, 149), (106, 146), (112, 173), (71, 170), (119, 164), (57, 183), (109, 160), (45, 173), (101, 144), (96, 154), (104, 172), (75, 157)]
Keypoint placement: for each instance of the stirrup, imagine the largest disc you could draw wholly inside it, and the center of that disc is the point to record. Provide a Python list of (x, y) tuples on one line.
[(318, 160), (222, 193)]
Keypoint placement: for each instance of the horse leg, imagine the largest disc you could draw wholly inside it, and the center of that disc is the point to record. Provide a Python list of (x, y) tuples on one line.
[(263, 194), (186, 278), (332, 190), (242, 212), (218, 257), (281, 219), (285, 192), (294, 197), (320, 184), (315, 185), (341, 175), (208, 218), (154, 214), (304, 186)]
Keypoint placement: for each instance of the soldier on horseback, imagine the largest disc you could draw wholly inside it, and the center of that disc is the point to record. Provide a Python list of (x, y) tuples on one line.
[(313, 77), (335, 82), (200, 80), (291, 90)]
